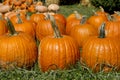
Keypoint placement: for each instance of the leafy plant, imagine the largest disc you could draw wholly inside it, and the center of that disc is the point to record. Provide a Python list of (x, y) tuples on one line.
[(108, 5)]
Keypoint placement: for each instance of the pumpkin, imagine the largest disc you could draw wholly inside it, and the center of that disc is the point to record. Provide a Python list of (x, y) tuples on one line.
[(82, 32), (3, 28), (18, 49), (4, 8), (58, 51), (101, 52), (112, 29), (37, 17), (101, 12), (96, 20), (25, 26), (14, 17), (53, 7), (116, 15), (60, 18), (41, 8), (74, 15), (44, 28)]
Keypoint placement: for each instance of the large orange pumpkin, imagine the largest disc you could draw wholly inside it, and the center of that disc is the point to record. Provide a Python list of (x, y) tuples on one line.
[(101, 53), (17, 49), (57, 52)]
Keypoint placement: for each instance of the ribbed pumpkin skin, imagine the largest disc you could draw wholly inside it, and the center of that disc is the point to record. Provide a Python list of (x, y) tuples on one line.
[(112, 28), (17, 51), (44, 28), (98, 51), (57, 53), (82, 32)]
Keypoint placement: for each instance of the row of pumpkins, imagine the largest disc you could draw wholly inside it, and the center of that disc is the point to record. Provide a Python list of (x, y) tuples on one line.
[(60, 40)]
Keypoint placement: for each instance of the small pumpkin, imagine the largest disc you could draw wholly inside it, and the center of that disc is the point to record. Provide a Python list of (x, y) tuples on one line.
[(37, 17), (74, 15), (96, 20), (82, 32)]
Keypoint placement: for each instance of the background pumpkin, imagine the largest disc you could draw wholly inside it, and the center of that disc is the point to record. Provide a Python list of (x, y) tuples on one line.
[(96, 20), (82, 32)]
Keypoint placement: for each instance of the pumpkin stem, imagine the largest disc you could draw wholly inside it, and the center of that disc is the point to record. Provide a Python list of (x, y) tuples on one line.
[(10, 27), (117, 12), (19, 19), (83, 20), (1, 18), (101, 8), (102, 31), (109, 17), (55, 27), (28, 16), (77, 15)]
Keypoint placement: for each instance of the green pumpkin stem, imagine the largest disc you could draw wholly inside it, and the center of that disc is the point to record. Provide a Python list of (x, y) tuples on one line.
[(19, 19), (102, 31), (28, 16), (101, 8), (10, 27), (55, 27), (117, 12), (1, 18), (83, 20)]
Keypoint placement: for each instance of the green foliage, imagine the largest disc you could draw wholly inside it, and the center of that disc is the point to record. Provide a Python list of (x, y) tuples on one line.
[(77, 72), (109, 5)]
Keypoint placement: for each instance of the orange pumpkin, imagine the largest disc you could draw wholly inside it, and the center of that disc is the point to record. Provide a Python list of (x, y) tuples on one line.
[(101, 12), (71, 24), (25, 26), (82, 32), (37, 17), (57, 52), (112, 29), (44, 28), (97, 20), (116, 16), (18, 49), (61, 18), (101, 52), (3, 28), (74, 16)]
